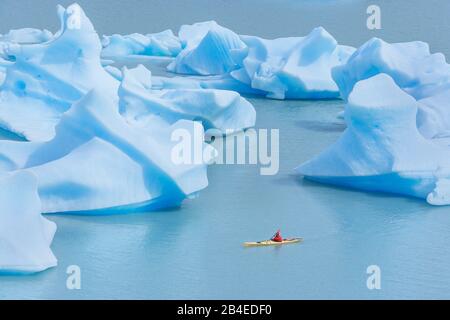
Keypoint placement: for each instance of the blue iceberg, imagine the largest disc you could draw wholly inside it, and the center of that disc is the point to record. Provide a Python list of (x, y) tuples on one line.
[(207, 49), (25, 235), (47, 78), (382, 149), (423, 75), (224, 110), (164, 44), (26, 36)]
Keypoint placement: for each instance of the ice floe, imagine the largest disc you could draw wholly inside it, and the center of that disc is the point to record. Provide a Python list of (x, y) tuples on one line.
[(207, 49), (382, 149), (164, 43), (423, 75), (47, 78), (25, 235)]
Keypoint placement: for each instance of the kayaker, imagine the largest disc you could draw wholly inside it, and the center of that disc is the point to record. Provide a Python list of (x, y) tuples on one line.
[(277, 237)]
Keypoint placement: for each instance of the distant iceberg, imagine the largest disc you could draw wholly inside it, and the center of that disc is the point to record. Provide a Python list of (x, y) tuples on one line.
[(293, 68), (47, 78), (2, 74), (224, 110), (25, 235), (382, 149), (164, 43), (284, 68), (423, 75), (207, 49), (98, 163)]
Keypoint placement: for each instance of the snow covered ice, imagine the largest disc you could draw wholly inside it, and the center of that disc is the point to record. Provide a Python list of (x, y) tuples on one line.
[(382, 149), (25, 235)]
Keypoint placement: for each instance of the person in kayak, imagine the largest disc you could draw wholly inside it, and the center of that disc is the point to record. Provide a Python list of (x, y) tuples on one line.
[(277, 237)]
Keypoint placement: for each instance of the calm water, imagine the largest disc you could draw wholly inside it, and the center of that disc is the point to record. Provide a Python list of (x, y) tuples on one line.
[(195, 251)]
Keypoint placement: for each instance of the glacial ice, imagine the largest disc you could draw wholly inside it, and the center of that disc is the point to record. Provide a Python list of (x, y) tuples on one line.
[(47, 78), (292, 68), (382, 149), (284, 68), (224, 110), (423, 75), (101, 138), (2, 74), (433, 118), (25, 235), (26, 36), (164, 43), (98, 163), (207, 49)]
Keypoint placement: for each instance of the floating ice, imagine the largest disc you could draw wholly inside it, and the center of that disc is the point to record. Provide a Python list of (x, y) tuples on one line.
[(382, 150), (224, 110), (414, 69), (47, 78), (25, 236), (26, 36), (99, 163), (292, 68), (410, 64), (207, 49), (157, 44)]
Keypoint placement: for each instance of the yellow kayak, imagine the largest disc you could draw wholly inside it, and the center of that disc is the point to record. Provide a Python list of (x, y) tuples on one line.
[(272, 243)]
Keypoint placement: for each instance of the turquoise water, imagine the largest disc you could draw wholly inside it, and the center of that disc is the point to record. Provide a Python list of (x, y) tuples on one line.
[(196, 252)]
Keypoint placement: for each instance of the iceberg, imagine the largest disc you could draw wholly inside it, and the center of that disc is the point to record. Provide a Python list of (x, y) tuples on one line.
[(95, 148), (164, 43), (423, 75), (207, 49), (410, 64), (224, 110), (26, 36), (292, 68), (381, 149), (25, 235), (47, 78)]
